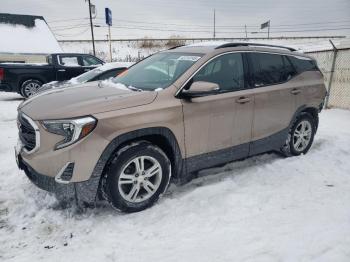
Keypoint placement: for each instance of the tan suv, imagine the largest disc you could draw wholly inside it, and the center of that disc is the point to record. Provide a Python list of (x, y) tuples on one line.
[(170, 115)]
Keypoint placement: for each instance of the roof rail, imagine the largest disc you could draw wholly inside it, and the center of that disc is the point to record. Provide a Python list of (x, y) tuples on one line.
[(252, 44), (174, 47)]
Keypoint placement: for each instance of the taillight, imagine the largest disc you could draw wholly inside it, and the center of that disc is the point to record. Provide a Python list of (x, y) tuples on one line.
[(2, 74)]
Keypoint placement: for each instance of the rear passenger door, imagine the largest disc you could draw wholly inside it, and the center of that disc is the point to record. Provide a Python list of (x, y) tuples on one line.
[(274, 100), (218, 126)]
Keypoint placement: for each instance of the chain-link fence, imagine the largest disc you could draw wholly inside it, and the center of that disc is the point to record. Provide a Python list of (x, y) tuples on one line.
[(335, 66)]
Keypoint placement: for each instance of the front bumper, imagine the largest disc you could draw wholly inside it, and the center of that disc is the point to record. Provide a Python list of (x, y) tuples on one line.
[(81, 192)]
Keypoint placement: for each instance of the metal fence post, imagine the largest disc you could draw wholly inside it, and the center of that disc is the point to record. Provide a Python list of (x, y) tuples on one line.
[(335, 51)]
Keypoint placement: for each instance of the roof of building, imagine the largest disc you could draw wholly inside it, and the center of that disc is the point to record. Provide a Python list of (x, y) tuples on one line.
[(26, 34)]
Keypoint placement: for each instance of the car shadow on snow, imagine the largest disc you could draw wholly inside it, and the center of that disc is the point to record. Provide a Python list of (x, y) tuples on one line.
[(11, 99), (204, 177), (216, 175)]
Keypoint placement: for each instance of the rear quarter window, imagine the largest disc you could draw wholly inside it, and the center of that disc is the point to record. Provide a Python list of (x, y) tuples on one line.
[(303, 64)]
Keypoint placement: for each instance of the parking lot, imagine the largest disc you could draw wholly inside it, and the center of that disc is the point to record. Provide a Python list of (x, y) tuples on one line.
[(266, 208)]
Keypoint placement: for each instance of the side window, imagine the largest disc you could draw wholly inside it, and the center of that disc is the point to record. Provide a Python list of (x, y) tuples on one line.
[(225, 70), (289, 69), (268, 69), (303, 64), (90, 61), (49, 59), (69, 60)]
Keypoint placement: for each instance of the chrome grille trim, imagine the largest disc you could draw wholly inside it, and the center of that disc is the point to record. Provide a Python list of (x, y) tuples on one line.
[(37, 134)]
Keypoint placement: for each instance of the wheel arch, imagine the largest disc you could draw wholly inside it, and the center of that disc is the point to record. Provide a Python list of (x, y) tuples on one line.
[(159, 136), (313, 111), (26, 78)]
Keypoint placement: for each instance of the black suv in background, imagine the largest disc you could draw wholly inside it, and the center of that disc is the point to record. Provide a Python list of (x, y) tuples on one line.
[(26, 79)]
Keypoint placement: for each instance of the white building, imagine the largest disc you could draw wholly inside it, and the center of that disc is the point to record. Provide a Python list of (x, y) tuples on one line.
[(26, 39)]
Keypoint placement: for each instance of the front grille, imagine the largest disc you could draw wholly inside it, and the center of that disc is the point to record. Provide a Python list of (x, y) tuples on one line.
[(26, 133)]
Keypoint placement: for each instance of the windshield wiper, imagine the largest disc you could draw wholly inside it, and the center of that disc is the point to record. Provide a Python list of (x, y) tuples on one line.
[(134, 89)]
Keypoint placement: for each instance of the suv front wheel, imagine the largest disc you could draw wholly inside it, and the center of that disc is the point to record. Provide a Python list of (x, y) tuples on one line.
[(137, 176), (300, 136)]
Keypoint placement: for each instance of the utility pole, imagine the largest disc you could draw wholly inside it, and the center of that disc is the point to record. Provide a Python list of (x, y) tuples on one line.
[(110, 43), (214, 25), (268, 30), (245, 29), (92, 29)]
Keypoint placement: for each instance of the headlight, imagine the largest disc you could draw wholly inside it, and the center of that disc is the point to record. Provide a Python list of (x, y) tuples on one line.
[(71, 129)]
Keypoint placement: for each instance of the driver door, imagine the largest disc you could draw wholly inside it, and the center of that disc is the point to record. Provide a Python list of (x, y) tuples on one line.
[(218, 126), (68, 67)]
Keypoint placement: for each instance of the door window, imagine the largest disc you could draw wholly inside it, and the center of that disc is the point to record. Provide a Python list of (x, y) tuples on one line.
[(289, 69), (69, 60), (90, 61), (225, 70), (268, 69)]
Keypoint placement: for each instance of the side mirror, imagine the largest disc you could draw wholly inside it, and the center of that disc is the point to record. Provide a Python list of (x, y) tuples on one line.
[(199, 89)]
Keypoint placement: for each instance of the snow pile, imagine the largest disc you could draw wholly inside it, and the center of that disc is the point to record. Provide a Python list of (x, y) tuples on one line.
[(110, 83), (265, 208), (21, 39)]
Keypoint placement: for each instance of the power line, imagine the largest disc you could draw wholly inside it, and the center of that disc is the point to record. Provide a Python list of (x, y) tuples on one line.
[(69, 27), (75, 34), (222, 26), (66, 20)]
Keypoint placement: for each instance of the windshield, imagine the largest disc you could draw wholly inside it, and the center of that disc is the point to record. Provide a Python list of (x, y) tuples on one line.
[(88, 75), (157, 71)]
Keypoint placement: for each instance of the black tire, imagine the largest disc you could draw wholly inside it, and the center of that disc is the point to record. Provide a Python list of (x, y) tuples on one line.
[(290, 148), (121, 161), (28, 86)]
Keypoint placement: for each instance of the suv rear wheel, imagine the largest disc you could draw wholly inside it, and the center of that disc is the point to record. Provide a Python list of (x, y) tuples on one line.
[(301, 136), (137, 176)]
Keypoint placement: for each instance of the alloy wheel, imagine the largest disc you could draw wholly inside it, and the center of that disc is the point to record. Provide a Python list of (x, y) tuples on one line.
[(302, 136), (140, 179), (31, 89)]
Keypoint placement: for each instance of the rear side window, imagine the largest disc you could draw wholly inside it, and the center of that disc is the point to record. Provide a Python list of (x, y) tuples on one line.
[(303, 64), (49, 59), (268, 69)]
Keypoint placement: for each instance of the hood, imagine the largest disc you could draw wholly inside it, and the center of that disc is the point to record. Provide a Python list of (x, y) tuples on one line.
[(54, 84), (82, 100)]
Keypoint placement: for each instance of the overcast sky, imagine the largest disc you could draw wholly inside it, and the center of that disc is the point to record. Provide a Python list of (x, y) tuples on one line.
[(157, 18)]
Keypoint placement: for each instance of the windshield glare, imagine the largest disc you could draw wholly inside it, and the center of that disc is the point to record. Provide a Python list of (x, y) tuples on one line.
[(158, 71)]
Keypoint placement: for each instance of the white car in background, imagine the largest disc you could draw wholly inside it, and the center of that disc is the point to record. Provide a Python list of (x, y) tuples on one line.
[(103, 72)]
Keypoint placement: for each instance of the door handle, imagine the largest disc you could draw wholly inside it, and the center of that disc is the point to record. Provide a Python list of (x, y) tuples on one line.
[(243, 100), (86, 70), (295, 91), (61, 70)]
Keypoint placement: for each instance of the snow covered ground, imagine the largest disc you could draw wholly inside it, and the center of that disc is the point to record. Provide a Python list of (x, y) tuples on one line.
[(266, 208)]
